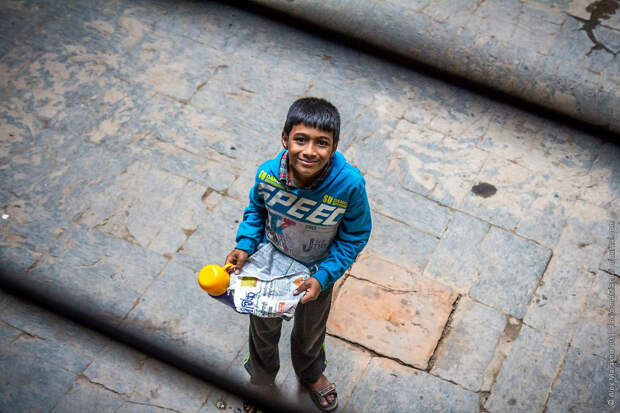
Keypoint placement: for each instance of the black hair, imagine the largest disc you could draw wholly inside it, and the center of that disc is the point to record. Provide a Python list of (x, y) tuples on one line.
[(315, 113)]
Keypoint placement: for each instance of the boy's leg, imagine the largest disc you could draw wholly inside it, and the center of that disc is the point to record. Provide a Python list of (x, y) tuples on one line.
[(263, 360), (308, 337)]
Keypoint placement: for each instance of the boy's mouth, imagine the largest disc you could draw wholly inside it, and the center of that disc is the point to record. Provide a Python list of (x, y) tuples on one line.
[(307, 163)]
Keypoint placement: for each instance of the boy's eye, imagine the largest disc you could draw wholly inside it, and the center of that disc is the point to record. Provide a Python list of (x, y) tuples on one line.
[(323, 143)]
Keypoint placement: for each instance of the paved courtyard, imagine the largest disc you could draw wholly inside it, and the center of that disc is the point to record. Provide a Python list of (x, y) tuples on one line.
[(130, 133), (50, 364)]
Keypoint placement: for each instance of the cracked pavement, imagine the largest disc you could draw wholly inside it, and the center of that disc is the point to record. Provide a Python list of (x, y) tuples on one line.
[(50, 364), (130, 135), (557, 54)]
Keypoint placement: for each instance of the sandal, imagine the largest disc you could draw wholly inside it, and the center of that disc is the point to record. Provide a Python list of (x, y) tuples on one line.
[(249, 407), (323, 393)]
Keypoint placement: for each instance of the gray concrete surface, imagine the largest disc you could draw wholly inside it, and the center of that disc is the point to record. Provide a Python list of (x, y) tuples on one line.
[(130, 135), (560, 54)]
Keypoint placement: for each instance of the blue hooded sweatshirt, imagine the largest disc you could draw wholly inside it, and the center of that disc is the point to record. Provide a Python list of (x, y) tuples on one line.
[(324, 228)]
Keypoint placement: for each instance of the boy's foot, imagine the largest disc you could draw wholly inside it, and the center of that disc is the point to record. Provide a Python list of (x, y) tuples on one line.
[(324, 394), (250, 408)]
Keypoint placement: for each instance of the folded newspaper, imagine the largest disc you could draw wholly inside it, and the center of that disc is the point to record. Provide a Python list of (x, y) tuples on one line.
[(266, 283)]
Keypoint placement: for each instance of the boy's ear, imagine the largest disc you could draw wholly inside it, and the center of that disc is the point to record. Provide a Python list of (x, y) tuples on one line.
[(284, 140)]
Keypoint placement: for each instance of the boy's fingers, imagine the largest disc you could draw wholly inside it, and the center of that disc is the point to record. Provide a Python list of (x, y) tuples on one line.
[(301, 288), (308, 296)]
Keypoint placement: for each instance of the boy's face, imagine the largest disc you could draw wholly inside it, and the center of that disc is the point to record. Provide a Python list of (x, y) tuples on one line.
[(309, 150)]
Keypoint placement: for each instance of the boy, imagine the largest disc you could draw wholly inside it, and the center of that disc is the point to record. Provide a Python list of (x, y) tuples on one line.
[(311, 205)]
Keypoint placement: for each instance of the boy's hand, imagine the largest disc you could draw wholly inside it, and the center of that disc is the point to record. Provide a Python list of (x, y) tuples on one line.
[(237, 258), (312, 287)]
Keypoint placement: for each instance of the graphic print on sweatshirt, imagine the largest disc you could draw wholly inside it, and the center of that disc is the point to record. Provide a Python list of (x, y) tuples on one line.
[(300, 227)]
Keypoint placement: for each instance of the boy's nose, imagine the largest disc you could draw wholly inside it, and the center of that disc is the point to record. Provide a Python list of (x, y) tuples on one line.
[(310, 150)]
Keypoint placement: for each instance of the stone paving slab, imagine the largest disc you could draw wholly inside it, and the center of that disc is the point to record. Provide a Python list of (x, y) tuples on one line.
[(556, 54), (427, 162), (456, 259), (583, 385), (409, 390), (380, 271), (111, 378), (558, 303), (402, 325), (398, 250), (466, 351), (188, 321), (507, 260), (591, 332), (398, 204), (532, 364)]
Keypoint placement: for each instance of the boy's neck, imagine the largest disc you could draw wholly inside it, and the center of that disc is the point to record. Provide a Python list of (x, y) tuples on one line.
[(299, 183)]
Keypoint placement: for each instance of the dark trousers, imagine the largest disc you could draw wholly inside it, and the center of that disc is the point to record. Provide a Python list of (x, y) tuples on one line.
[(307, 342)]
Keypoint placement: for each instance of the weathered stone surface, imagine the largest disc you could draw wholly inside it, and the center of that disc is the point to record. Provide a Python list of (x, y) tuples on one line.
[(510, 268), (558, 302), (29, 383), (71, 125), (213, 173), (116, 368), (423, 161), (583, 385), (8, 333), (131, 407), (86, 396), (584, 239), (214, 238), (136, 205), (545, 218), (15, 259), (178, 391), (528, 373), (375, 268), (537, 28), (216, 398), (456, 260), (166, 121), (404, 206), (456, 13), (46, 336), (405, 389), (467, 350), (498, 18), (188, 213), (403, 325), (173, 66), (39, 379), (240, 188), (512, 198), (592, 334), (140, 379), (370, 155), (205, 23), (100, 116), (346, 366), (561, 152), (188, 321), (601, 186), (412, 249), (87, 264)]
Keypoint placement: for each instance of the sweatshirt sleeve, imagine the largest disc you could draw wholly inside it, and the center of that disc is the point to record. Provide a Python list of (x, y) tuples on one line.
[(353, 234), (252, 228)]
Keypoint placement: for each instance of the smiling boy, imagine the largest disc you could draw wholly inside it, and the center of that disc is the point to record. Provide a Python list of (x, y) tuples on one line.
[(311, 205)]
